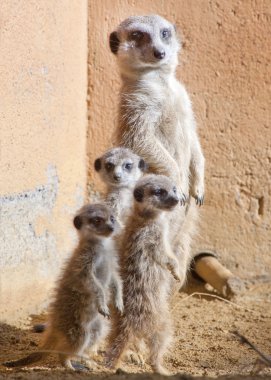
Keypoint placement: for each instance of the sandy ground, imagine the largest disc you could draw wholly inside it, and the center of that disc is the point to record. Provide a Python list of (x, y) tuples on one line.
[(203, 346)]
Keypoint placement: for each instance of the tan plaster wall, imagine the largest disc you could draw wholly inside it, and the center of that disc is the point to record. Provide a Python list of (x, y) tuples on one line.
[(43, 118), (226, 68)]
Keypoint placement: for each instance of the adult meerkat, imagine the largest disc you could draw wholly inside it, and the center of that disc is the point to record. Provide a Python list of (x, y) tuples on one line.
[(156, 119), (77, 314), (120, 169), (155, 114), (144, 270)]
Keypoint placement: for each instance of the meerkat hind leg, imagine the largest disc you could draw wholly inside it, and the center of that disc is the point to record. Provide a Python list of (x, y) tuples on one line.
[(66, 362), (158, 344)]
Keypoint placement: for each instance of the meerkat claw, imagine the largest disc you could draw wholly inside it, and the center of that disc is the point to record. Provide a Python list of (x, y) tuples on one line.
[(105, 313), (199, 200), (183, 199)]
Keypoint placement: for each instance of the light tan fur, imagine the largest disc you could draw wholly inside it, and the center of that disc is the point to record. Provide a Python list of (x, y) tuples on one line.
[(156, 119), (77, 314), (146, 260)]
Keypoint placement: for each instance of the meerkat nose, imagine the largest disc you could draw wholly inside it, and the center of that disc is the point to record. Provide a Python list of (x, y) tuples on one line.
[(117, 177), (172, 201), (159, 54)]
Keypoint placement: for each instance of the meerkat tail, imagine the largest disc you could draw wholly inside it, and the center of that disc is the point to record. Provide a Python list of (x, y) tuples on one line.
[(32, 358), (35, 356)]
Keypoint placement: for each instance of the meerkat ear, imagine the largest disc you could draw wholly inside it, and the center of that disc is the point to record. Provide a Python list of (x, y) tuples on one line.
[(98, 164), (143, 165), (139, 194), (77, 222), (114, 42)]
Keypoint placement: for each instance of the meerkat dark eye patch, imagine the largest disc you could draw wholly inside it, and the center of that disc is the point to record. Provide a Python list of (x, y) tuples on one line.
[(139, 194), (136, 35), (98, 164), (128, 166), (77, 222), (96, 221), (114, 42), (142, 165), (165, 33), (109, 166), (160, 192)]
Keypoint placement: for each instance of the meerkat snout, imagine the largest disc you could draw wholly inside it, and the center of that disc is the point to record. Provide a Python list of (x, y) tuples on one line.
[(159, 54)]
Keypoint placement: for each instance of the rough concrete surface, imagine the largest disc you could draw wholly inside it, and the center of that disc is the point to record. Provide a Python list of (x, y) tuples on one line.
[(225, 65), (43, 117)]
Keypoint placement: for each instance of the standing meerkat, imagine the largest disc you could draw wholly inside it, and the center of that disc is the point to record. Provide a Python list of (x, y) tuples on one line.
[(77, 314), (156, 119), (145, 260), (120, 169)]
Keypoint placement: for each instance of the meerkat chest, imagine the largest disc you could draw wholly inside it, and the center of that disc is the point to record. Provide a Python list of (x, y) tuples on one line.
[(101, 267), (171, 129)]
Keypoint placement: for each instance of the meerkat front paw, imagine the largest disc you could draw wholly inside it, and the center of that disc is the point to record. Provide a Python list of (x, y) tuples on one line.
[(103, 309), (183, 199), (119, 305), (198, 194), (174, 270)]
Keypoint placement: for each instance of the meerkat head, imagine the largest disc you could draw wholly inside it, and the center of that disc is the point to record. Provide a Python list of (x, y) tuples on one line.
[(95, 221), (142, 42), (155, 193), (120, 167)]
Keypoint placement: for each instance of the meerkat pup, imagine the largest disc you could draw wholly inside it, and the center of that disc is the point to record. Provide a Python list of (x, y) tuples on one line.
[(77, 314), (145, 259), (156, 119), (120, 169)]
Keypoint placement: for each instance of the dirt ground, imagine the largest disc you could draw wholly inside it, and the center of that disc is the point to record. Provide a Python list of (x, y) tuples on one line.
[(204, 344)]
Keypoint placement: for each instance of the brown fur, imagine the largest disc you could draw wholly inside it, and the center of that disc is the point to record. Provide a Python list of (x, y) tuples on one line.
[(76, 317), (145, 260)]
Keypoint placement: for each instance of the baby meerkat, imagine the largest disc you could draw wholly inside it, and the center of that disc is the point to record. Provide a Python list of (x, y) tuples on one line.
[(76, 317), (156, 119), (120, 169), (145, 259)]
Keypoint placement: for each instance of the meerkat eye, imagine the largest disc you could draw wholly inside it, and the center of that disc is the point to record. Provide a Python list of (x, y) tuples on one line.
[(165, 33), (109, 166), (174, 190), (97, 221), (160, 192), (112, 219), (136, 35), (128, 166)]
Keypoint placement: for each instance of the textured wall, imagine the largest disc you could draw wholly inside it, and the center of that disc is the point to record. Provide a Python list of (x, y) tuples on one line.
[(43, 117), (224, 64)]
